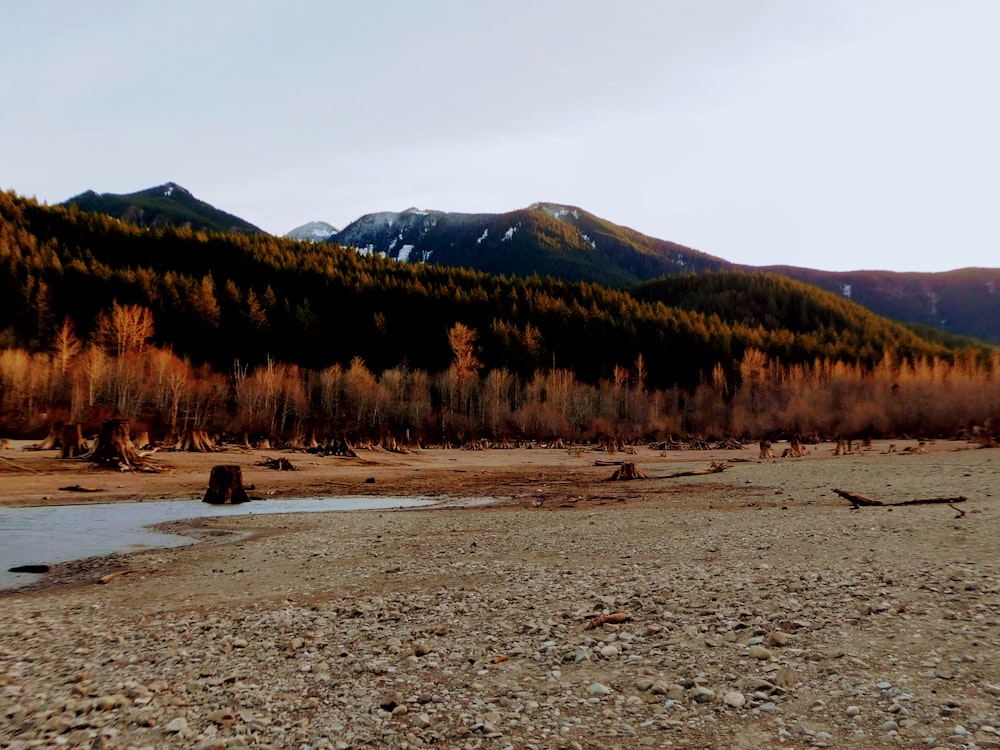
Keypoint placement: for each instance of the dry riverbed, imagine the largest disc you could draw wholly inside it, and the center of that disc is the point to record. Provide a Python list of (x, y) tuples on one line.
[(745, 609)]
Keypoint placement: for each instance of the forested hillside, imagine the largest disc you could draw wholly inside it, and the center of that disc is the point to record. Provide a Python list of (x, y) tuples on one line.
[(965, 301), (225, 311)]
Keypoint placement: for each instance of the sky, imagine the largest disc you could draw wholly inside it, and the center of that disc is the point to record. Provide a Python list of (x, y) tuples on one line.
[(840, 135)]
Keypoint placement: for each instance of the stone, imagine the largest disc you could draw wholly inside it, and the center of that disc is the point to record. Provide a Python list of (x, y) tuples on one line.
[(598, 689), (176, 726), (759, 652), (702, 694), (777, 638), (735, 699)]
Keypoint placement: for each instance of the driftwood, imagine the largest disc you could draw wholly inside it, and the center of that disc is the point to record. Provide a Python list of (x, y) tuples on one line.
[(9, 462), (614, 618), (626, 471), (79, 488), (713, 468), (729, 444), (112, 576), (765, 450), (225, 486), (278, 464), (860, 501)]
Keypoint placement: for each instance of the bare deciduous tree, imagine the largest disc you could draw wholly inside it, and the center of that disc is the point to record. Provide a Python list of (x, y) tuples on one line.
[(126, 329)]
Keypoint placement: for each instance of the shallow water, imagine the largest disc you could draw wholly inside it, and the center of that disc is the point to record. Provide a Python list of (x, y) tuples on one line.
[(51, 534)]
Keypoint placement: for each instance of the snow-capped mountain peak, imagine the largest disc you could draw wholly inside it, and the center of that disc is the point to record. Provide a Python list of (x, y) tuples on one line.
[(313, 231)]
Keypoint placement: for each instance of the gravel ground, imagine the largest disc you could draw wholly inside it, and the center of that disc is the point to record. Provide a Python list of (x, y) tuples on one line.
[(747, 609)]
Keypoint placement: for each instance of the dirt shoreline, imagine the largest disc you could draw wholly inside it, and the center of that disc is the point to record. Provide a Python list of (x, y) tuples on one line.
[(757, 609)]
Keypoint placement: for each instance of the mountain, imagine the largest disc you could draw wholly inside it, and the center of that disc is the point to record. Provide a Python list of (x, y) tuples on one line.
[(547, 239), (569, 244), (224, 298), (313, 231), (167, 204)]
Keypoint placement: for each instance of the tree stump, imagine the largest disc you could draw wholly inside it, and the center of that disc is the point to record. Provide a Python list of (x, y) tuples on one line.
[(628, 471), (114, 448), (52, 441), (195, 441), (765, 450), (73, 444), (225, 486)]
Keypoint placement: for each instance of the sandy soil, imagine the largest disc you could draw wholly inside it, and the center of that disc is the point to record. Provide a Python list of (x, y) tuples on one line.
[(757, 609)]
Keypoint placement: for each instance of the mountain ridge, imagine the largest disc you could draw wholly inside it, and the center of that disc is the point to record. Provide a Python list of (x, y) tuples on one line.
[(571, 244)]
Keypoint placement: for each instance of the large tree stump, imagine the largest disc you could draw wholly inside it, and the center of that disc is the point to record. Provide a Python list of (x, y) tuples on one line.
[(73, 444), (225, 486), (114, 447), (196, 441)]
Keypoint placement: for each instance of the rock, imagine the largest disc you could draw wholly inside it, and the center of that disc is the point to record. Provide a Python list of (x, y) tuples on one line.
[(777, 638), (785, 678), (735, 699), (759, 652), (609, 652), (598, 689), (177, 726), (701, 694)]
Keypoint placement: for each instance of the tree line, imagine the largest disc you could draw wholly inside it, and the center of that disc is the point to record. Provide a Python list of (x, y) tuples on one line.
[(118, 373)]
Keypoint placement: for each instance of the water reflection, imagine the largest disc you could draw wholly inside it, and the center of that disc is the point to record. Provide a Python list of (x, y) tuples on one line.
[(35, 536)]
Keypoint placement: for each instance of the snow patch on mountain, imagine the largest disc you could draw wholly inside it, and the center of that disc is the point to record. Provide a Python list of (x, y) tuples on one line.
[(483, 236), (509, 234), (555, 210), (404, 253)]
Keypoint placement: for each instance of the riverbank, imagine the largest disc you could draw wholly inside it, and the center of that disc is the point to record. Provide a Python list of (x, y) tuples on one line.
[(757, 609)]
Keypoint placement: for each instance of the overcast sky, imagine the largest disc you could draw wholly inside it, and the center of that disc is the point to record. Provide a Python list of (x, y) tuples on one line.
[(835, 134)]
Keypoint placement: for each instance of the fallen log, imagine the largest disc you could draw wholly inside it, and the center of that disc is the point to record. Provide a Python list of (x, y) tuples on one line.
[(860, 501), (713, 468), (79, 488)]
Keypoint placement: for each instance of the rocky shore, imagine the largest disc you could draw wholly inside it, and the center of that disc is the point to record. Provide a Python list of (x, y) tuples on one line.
[(746, 609)]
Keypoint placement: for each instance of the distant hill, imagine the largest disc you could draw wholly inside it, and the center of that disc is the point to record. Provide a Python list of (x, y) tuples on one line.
[(168, 204), (964, 302), (563, 242)]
